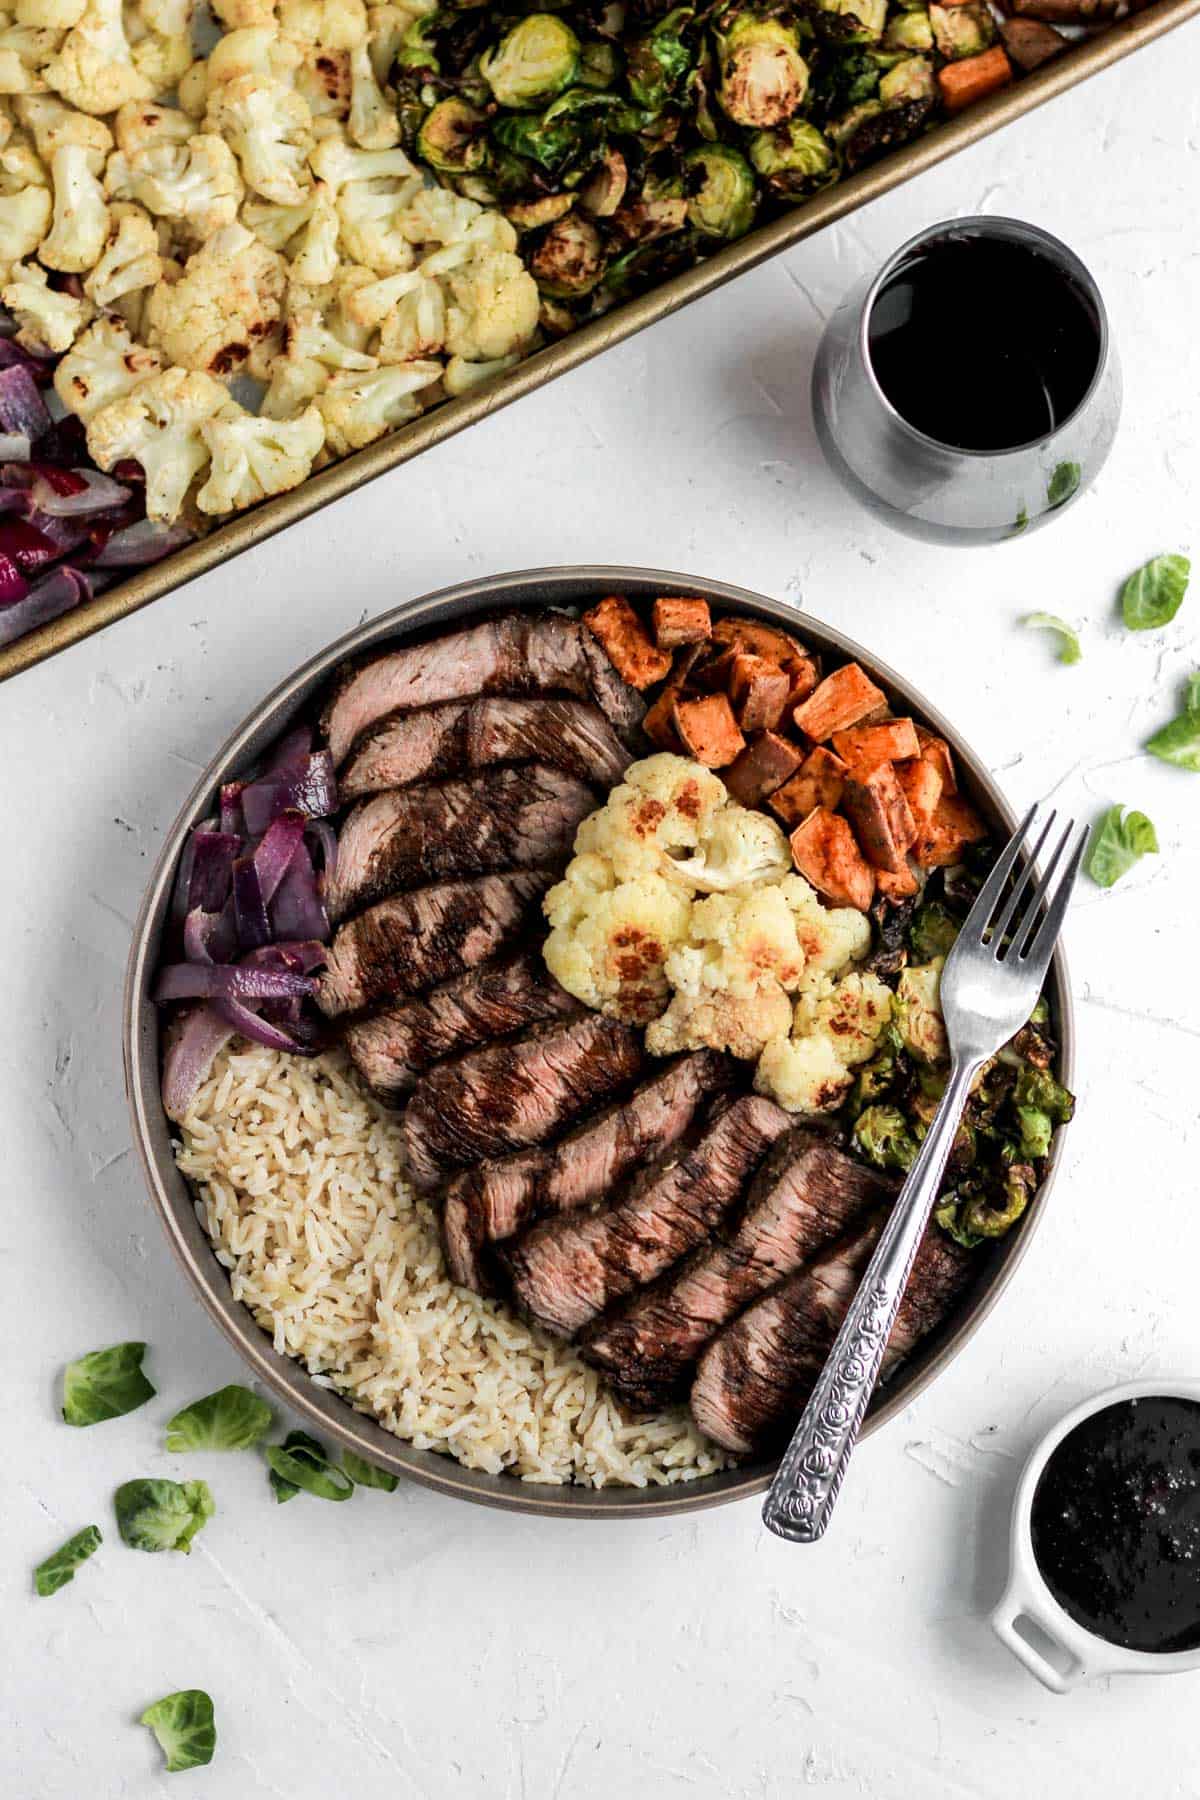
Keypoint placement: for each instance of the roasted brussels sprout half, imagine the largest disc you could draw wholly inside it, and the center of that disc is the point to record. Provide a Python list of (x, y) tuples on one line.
[(657, 63), (530, 215), (651, 217), (569, 261), (962, 30), (850, 21), (532, 63), (599, 64), (909, 31), (872, 1080), (763, 76), (844, 129), (604, 189), (844, 82), (882, 1135), (718, 184), (794, 159), (933, 931), (983, 1219), (910, 80), (452, 137), (918, 1012)]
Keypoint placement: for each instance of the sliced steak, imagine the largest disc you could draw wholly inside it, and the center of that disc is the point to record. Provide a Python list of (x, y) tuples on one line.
[(392, 1049), (754, 1378), (805, 1195), (413, 941), (512, 1095), (524, 818), (566, 1271), (495, 1200), (437, 741), (515, 653)]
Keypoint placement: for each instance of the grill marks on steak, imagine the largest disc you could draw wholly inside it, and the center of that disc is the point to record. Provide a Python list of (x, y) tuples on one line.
[(515, 653), (753, 1380), (495, 1200), (805, 1194), (516, 1094), (567, 1270), (415, 940), (392, 1049), (438, 741), (507, 819)]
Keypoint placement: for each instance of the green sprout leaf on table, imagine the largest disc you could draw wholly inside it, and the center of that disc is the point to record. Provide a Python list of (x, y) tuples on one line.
[(1069, 649), (231, 1419), (1179, 742), (1154, 593), (58, 1569), (300, 1465), (185, 1728), (1063, 484), (365, 1474), (155, 1514), (1119, 841), (105, 1384)]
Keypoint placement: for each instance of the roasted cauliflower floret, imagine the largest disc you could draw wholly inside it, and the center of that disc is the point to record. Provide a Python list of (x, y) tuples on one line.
[(144, 124), (229, 296), (253, 457), (196, 183), (21, 166), (267, 125), (158, 425), (738, 1023), (493, 308), (255, 50), (372, 122), (357, 409), (834, 1029), (52, 123), (80, 229), (240, 14), (739, 847), (48, 319), (803, 1075), (25, 52), (164, 61), (739, 943), (337, 163), (657, 814), (386, 26), (129, 262), (334, 24), (49, 15), (24, 222), (370, 214), (170, 18), (103, 364), (609, 941), (275, 225), (461, 377), (316, 259), (94, 70), (416, 324)]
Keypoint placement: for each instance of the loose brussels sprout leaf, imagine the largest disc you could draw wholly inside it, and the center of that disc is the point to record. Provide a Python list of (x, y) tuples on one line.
[(657, 64), (534, 61), (231, 1419), (60, 1568), (1179, 742), (933, 931), (794, 159), (764, 78), (719, 185), (1069, 650), (185, 1728), (1037, 1128), (872, 1080), (1154, 593), (599, 64), (883, 1136), (1120, 840), (947, 1216), (365, 1474), (300, 1463), (845, 82), (1063, 484), (415, 50), (452, 137), (105, 1384), (1020, 523), (154, 1514)]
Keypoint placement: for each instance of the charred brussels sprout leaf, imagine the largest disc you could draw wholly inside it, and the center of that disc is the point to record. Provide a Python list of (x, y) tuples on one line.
[(763, 76), (657, 64), (1037, 1088), (1069, 648), (850, 22), (452, 137), (794, 159), (1063, 484), (986, 1220), (844, 83), (154, 1514), (301, 1465), (933, 931), (416, 50), (532, 63), (1120, 840), (569, 261), (58, 1569), (1179, 742), (568, 132), (872, 1080), (105, 1384), (879, 129), (948, 1217), (365, 1474), (882, 1134), (231, 1419), (718, 183), (185, 1728), (1154, 593), (599, 65)]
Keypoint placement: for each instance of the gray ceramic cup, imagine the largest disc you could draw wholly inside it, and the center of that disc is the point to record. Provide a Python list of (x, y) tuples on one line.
[(938, 491)]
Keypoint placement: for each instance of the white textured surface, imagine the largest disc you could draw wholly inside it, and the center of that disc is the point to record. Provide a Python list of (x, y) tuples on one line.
[(407, 1646)]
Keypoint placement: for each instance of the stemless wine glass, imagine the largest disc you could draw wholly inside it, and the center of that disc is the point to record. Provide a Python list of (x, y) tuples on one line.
[(940, 491)]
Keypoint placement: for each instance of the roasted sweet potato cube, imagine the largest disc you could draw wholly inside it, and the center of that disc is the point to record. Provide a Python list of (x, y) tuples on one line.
[(659, 722), (817, 782), (876, 807), (921, 784), (899, 886), (759, 691), (937, 751), (841, 700), (863, 747), (803, 676), (757, 639), (824, 851), (629, 646), (954, 825), (714, 669), (679, 622), (763, 766), (708, 730)]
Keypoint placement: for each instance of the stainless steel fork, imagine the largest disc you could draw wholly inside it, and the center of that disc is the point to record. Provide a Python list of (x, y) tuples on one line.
[(990, 985)]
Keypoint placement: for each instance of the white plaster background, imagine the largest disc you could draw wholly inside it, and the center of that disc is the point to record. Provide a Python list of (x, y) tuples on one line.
[(414, 1647)]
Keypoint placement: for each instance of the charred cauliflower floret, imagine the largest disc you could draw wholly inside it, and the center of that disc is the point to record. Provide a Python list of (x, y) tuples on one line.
[(143, 125), (228, 297), (738, 1023), (196, 184), (609, 940), (129, 262), (48, 319), (655, 815), (268, 127), (493, 307), (253, 457), (102, 365), (158, 425), (357, 409), (834, 1029)]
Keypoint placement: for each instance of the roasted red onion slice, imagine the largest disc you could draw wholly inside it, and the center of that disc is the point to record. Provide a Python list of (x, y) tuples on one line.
[(98, 493), (194, 1037), (307, 784), (55, 594), (136, 546), (22, 408), (230, 981)]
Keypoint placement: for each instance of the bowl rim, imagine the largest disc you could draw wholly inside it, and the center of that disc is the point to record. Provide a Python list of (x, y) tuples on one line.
[(313, 1397)]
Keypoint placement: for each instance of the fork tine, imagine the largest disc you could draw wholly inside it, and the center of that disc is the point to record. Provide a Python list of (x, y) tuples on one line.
[(1037, 957), (1024, 931), (988, 895), (1028, 874)]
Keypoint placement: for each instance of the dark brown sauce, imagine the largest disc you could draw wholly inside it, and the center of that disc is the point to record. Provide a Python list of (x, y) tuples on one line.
[(1116, 1524)]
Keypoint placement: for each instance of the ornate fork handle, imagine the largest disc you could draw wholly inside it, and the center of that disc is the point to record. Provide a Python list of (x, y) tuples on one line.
[(810, 1476)]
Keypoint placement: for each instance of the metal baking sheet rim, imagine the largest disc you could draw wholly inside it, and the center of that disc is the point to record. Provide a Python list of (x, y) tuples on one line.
[(322, 1407), (1087, 58)]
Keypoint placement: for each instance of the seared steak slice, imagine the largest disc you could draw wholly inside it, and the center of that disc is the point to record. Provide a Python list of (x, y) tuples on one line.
[(523, 818), (511, 1095), (568, 1270), (392, 1049), (436, 741), (414, 940), (806, 1193), (495, 1200), (754, 1378), (516, 653)]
